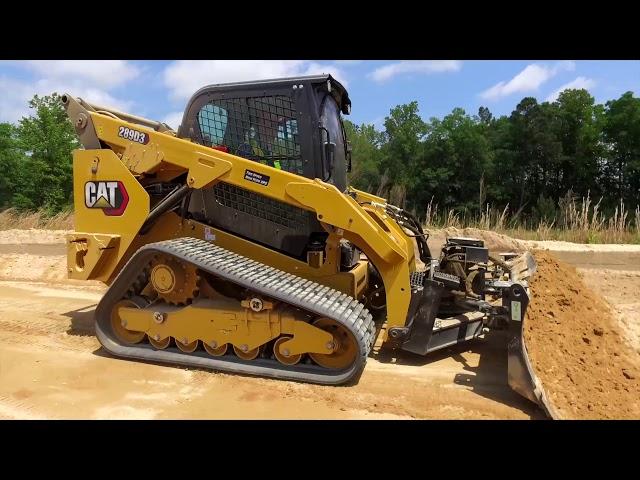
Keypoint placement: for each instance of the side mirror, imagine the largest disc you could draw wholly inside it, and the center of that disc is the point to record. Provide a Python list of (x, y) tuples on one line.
[(330, 152), (349, 149)]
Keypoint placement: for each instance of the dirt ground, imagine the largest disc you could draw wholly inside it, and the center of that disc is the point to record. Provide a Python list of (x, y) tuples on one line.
[(51, 365)]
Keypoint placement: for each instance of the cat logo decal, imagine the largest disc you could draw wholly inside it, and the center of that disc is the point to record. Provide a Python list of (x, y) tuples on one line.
[(111, 197)]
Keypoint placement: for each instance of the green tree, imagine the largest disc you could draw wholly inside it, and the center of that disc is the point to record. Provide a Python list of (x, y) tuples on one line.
[(484, 115), (403, 147), (501, 181), (456, 157), (532, 168), (365, 159), (11, 160), (579, 131), (48, 139), (621, 169)]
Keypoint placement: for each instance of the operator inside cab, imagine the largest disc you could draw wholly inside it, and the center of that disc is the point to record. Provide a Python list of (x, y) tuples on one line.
[(269, 140)]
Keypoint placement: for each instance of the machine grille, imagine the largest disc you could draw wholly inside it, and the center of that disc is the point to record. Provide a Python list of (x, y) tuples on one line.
[(262, 129), (416, 279), (260, 206)]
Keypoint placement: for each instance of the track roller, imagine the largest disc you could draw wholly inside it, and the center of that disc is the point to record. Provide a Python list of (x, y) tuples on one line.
[(186, 346), (245, 354), (282, 354), (159, 344), (215, 350)]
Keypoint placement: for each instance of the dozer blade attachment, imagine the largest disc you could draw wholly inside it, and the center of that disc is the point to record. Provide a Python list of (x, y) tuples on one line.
[(522, 267), (521, 376)]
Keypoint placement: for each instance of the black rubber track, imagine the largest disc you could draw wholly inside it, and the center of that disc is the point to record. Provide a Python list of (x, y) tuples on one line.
[(313, 297)]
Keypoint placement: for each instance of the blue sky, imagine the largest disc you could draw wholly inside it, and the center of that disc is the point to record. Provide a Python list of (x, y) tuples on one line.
[(160, 89)]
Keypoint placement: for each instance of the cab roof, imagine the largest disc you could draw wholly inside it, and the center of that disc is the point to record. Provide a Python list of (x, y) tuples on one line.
[(337, 90)]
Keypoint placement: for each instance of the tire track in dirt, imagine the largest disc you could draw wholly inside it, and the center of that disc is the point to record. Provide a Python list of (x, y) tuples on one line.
[(34, 323)]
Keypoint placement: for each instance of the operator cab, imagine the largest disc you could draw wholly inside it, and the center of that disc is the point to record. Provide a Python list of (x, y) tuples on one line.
[(293, 124)]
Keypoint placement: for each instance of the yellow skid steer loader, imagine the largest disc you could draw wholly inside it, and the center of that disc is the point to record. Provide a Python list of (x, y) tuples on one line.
[(235, 243)]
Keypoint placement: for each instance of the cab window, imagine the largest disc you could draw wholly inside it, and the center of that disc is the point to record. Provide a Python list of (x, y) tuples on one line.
[(213, 124), (262, 129), (331, 121)]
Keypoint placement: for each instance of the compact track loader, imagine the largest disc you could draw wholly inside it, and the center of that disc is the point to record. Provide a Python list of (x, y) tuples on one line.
[(235, 243)]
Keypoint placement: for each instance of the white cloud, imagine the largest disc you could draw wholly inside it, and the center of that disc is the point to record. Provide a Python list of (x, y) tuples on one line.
[(385, 73), (377, 122), (105, 74), (173, 119), (89, 79), (92, 95), (185, 77), (578, 83), (317, 68), (15, 106), (349, 62), (528, 80)]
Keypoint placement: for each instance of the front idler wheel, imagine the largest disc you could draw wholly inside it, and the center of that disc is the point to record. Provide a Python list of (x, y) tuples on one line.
[(345, 346), (119, 325)]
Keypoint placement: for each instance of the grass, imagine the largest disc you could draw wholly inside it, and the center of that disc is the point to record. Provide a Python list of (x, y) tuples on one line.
[(576, 221), (13, 219)]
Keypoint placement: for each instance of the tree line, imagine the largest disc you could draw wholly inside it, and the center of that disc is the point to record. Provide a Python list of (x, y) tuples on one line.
[(529, 160), (36, 158)]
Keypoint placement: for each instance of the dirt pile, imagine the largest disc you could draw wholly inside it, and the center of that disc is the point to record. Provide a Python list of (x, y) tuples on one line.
[(577, 348)]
